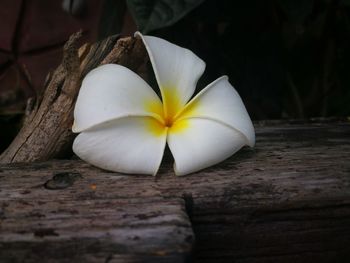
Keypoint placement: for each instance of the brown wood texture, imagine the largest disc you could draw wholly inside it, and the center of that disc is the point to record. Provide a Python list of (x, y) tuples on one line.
[(287, 200), (46, 132)]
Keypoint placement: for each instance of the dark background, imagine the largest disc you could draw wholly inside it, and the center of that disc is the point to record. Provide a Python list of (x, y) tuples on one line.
[(287, 58)]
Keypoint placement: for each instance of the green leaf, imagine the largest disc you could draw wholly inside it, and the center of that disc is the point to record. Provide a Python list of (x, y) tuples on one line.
[(155, 14), (297, 11), (345, 2)]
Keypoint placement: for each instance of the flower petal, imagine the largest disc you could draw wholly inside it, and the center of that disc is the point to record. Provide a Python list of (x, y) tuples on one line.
[(221, 102), (177, 71), (113, 91), (199, 143), (126, 145)]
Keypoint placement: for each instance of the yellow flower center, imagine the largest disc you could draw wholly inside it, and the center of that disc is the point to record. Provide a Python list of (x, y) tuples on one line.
[(168, 122), (169, 117)]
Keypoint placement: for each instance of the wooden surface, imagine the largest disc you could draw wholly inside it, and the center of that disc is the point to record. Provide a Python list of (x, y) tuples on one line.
[(287, 200)]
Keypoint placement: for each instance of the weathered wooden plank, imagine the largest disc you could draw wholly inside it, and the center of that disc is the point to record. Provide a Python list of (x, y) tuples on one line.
[(77, 224), (287, 200)]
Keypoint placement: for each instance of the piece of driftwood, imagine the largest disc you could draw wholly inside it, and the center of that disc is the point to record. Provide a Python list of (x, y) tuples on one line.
[(46, 132), (287, 200)]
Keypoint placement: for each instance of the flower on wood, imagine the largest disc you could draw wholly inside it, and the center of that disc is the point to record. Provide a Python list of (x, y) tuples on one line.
[(124, 126)]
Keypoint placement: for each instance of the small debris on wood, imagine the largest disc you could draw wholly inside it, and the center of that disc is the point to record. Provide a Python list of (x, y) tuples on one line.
[(62, 181)]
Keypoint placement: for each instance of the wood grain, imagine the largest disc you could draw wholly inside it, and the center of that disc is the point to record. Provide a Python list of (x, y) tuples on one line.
[(287, 200)]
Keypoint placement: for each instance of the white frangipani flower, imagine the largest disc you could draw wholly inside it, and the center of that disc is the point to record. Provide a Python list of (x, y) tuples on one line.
[(124, 126)]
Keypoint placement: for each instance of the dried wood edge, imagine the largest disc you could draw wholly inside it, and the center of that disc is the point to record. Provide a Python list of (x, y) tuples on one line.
[(46, 131)]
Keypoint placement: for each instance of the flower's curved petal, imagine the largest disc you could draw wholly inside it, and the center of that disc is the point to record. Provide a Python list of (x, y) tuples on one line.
[(125, 145), (113, 91), (177, 71), (221, 102), (198, 143)]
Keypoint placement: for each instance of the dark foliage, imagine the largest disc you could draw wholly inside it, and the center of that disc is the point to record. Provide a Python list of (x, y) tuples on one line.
[(288, 59)]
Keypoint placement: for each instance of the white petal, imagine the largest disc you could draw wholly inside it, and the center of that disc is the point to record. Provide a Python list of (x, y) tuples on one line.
[(201, 143), (177, 71), (125, 145), (113, 91), (221, 102)]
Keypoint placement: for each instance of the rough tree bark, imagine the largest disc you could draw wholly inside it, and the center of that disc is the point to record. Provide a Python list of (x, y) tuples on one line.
[(46, 132)]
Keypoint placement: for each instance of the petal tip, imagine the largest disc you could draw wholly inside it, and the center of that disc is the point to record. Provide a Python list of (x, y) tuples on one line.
[(250, 136), (138, 34), (251, 141), (177, 172), (75, 129)]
